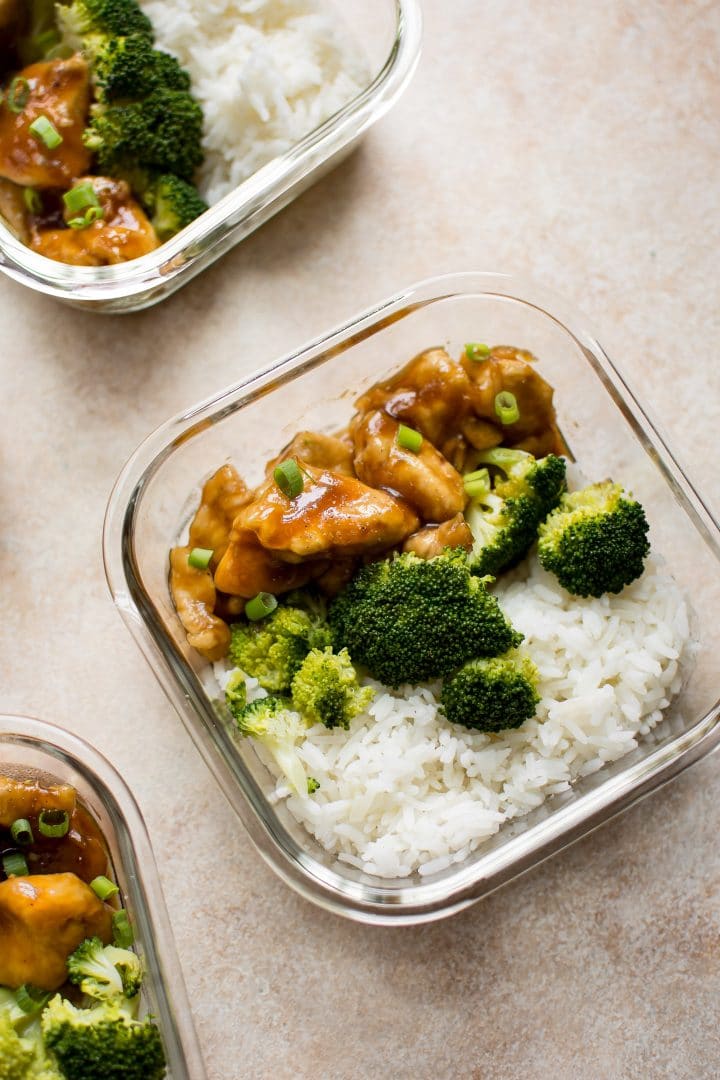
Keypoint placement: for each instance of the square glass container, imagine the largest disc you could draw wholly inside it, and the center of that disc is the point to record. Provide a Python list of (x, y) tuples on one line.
[(36, 747), (605, 427), (388, 32)]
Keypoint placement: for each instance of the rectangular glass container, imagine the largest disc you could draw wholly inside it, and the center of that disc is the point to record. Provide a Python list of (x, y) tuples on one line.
[(36, 747), (389, 33), (606, 429)]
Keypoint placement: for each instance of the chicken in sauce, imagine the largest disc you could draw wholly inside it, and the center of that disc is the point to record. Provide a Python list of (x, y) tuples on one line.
[(360, 493), (47, 905)]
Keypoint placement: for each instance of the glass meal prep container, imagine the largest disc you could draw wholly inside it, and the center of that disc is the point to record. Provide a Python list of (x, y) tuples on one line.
[(30, 747), (388, 32), (315, 388)]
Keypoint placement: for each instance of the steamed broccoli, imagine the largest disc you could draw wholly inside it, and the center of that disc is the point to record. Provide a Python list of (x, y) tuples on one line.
[(102, 1043), (272, 722), (105, 971), (87, 19), (505, 519), (173, 203), (325, 689), (596, 541), (491, 695), (130, 68), (17, 1055), (22, 1054), (409, 619), (160, 132), (272, 649)]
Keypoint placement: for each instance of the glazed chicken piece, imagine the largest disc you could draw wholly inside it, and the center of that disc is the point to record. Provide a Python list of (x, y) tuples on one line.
[(193, 593), (431, 394), (43, 918), (426, 480), (25, 799), (60, 91), (322, 451), (507, 368), (333, 515), (223, 496), (433, 539), (247, 568), (123, 233)]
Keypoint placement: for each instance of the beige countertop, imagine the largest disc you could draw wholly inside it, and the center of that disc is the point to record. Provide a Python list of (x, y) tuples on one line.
[(574, 143)]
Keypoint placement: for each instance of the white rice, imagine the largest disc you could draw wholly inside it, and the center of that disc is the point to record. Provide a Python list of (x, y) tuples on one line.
[(266, 72), (403, 790)]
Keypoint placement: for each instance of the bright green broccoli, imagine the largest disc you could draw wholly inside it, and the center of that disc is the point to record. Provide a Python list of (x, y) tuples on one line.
[(505, 518), (105, 1042), (272, 649), (129, 68), (492, 694), (22, 1054), (89, 19), (172, 203), (596, 541), (160, 132), (272, 721), (17, 1055), (326, 691), (105, 971), (408, 619)]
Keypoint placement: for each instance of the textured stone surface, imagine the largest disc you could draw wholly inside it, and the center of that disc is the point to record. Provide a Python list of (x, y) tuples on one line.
[(578, 144)]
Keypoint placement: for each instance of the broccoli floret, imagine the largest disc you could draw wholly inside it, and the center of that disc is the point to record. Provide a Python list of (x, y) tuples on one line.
[(409, 619), (22, 1054), (173, 203), (102, 1043), (130, 68), (326, 691), (596, 541), (162, 132), (505, 520), (272, 649), (105, 971), (17, 1055), (83, 19), (491, 695), (272, 722)]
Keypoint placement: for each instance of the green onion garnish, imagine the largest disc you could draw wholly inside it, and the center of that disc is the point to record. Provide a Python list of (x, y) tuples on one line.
[(14, 864), (80, 197), (18, 94), (409, 439), (32, 200), (200, 558), (288, 478), (103, 887), (477, 483), (313, 785), (43, 42), (123, 935), (506, 407), (21, 832), (260, 606), (44, 130), (30, 999), (93, 213), (53, 823), (475, 350)]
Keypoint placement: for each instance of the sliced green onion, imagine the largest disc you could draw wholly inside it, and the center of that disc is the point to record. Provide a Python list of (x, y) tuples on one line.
[(506, 407), (21, 832), (313, 785), (123, 935), (18, 94), (30, 999), (409, 439), (53, 823), (44, 130), (32, 200), (80, 197), (477, 483), (200, 558), (14, 864), (260, 606), (45, 41), (288, 478), (103, 887), (93, 213), (475, 350)]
